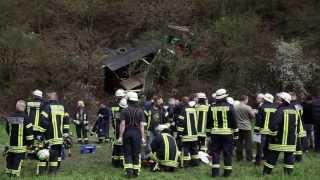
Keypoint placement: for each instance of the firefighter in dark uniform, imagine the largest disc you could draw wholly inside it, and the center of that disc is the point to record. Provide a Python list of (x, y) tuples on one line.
[(164, 150), (283, 135), (302, 133), (81, 122), (222, 125), (132, 135), (117, 149), (188, 134), (202, 116), (54, 126), (19, 128), (33, 110), (101, 127), (265, 114)]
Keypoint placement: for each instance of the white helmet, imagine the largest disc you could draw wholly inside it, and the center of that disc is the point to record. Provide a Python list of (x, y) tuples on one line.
[(268, 97), (221, 93), (285, 96), (43, 154), (81, 103), (132, 96), (260, 96), (230, 100), (192, 103), (214, 95), (120, 93), (123, 103), (37, 93), (201, 95)]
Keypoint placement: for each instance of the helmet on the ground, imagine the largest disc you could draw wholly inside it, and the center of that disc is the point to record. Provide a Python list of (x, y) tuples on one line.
[(43, 154), (67, 142)]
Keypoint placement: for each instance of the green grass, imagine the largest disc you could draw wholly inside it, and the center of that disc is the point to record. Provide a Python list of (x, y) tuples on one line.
[(98, 166)]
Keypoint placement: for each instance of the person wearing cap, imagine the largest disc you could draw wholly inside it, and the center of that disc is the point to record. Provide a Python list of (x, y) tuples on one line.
[(81, 121), (188, 134), (33, 110), (19, 129), (202, 115), (55, 127), (221, 126), (117, 149), (264, 115), (101, 126), (244, 116), (283, 134), (132, 135), (164, 150), (294, 101)]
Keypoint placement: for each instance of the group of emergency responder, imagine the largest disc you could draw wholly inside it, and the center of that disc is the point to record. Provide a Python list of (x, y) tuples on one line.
[(177, 134), (164, 136)]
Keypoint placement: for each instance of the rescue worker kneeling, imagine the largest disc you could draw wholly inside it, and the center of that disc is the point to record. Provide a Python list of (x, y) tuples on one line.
[(19, 128), (164, 151), (283, 135)]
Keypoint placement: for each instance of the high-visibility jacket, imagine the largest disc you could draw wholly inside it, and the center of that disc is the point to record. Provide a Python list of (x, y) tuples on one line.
[(299, 109), (19, 128), (155, 118), (202, 116), (81, 117), (284, 129), (165, 150), (33, 110), (116, 110), (54, 122), (187, 125), (265, 113), (221, 119)]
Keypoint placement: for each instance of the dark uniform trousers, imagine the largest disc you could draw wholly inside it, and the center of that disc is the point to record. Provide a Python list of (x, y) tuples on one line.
[(82, 133), (54, 160), (272, 158), (298, 154), (190, 154), (222, 143), (202, 143), (14, 162), (132, 149), (117, 155), (262, 148)]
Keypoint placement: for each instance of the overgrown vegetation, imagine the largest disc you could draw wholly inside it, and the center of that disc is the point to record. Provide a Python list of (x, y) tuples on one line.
[(236, 44)]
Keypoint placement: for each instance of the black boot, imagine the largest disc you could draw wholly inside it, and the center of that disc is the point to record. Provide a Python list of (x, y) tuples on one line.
[(227, 173), (135, 173), (266, 171), (129, 173), (215, 172), (288, 171)]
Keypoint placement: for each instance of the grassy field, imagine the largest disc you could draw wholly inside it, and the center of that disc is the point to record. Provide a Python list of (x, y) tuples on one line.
[(98, 166)]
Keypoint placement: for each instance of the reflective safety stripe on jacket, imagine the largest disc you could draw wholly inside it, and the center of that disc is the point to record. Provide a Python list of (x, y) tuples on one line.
[(148, 115), (202, 115), (221, 125), (190, 132), (267, 113), (285, 139), (33, 111)]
